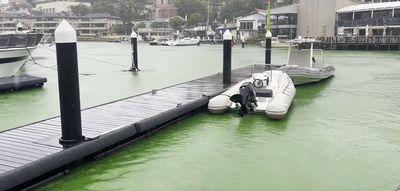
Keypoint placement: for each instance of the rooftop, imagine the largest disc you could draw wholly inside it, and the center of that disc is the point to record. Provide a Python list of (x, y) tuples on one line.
[(370, 6), (55, 15), (260, 14)]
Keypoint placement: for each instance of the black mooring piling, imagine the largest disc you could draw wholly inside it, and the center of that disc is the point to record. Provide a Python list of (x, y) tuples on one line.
[(268, 38), (135, 65), (68, 84), (227, 58)]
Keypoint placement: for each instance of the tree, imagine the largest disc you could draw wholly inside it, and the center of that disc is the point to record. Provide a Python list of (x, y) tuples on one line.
[(176, 22), (130, 10), (118, 29), (195, 18), (236, 8), (104, 7), (80, 9), (188, 7)]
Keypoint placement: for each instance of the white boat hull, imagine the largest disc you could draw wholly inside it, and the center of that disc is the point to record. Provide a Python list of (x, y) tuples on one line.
[(305, 75), (12, 59), (275, 107), (184, 42)]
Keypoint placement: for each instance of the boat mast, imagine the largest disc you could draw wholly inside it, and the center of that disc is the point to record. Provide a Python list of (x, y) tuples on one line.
[(208, 15), (268, 19)]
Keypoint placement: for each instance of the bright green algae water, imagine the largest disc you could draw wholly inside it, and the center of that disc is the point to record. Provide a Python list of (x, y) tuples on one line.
[(341, 134)]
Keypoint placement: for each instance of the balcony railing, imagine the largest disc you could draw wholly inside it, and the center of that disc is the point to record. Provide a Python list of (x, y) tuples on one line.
[(370, 22), (360, 40)]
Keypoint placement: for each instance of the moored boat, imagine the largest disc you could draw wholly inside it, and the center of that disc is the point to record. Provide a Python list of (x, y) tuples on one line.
[(276, 43), (184, 42), (302, 66), (15, 49), (270, 92), (159, 42)]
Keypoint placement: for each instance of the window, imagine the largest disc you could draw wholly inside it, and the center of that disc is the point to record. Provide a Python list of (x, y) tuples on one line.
[(246, 25), (383, 14), (397, 13), (362, 15)]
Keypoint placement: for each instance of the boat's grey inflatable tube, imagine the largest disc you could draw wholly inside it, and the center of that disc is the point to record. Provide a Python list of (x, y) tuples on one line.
[(162, 118)]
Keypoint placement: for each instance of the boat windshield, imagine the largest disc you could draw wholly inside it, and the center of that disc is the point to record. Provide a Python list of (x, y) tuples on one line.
[(20, 40), (303, 54)]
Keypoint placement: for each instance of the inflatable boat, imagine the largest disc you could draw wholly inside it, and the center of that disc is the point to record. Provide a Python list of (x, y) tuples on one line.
[(302, 66), (270, 92)]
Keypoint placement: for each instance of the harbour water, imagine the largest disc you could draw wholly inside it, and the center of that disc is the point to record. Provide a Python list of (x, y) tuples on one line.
[(341, 134)]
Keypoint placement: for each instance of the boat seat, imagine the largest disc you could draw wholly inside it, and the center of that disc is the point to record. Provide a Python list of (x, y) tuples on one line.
[(264, 93)]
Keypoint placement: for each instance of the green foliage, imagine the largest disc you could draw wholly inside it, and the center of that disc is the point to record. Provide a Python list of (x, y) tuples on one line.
[(127, 10), (140, 25), (196, 18), (118, 29), (176, 23), (188, 7), (104, 7), (80, 9), (236, 8)]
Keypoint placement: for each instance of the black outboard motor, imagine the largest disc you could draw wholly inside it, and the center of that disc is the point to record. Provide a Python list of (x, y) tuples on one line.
[(246, 98)]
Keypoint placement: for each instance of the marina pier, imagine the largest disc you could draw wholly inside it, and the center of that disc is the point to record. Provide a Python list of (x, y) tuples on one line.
[(32, 153)]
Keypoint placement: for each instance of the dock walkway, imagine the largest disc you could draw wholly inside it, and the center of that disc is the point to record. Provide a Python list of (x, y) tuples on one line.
[(31, 153)]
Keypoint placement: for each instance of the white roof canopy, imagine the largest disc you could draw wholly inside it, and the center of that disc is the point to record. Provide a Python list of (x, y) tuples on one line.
[(370, 7)]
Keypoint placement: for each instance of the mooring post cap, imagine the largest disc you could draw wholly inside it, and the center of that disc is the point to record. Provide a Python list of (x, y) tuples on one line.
[(65, 33), (268, 34), (133, 34), (227, 35)]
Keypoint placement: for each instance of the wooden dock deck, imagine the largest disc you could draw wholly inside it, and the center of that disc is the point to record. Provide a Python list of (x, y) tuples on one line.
[(32, 153)]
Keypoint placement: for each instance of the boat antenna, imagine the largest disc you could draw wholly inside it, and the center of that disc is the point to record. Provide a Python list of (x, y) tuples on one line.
[(208, 15), (268, 27)]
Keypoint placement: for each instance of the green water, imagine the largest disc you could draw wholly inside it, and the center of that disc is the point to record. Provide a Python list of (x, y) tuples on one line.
[(342, 134)]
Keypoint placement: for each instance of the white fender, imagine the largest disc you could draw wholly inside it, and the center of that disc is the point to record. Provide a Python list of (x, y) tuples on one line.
[(219, 104)]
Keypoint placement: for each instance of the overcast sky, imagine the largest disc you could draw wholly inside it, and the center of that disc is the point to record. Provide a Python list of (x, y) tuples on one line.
[(4, 1)]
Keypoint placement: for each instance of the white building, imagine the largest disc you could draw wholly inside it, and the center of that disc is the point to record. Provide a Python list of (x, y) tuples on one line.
[(316, 18), (9, 21), (96, 25), (283, 23), (57, 6), (379, 19)]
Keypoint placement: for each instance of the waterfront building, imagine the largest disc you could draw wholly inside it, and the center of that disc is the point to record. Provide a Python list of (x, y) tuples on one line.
[(91, 25), (9, 21), (57, 6), (154, 30), (283, 23), (379, 1), (373, 19)]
